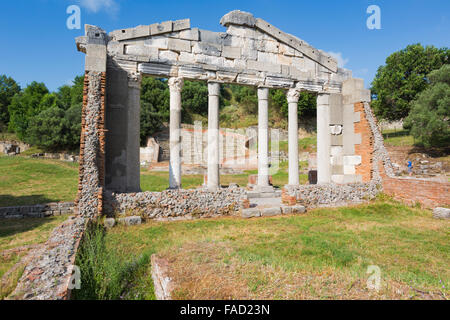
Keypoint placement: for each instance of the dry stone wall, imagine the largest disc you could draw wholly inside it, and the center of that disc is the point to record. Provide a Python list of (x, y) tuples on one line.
[(37, 211), (175, 203)]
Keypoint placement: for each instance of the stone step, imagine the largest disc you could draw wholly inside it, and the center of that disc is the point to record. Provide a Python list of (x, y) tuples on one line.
[(272, 211)]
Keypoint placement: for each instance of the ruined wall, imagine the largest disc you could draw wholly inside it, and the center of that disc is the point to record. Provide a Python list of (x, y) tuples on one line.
[(364, 149), (92, 146), (175, 203)]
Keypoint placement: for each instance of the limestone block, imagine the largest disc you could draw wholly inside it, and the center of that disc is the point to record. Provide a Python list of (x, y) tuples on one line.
[(282, 59), (299, 63), (352, 160), (284, 69), (286, 50), (337, 178), (267, 57), (337, 160), (226, 77), (181, 24), (191, 34), (263, 66), (179, 45), (168, 55), (159, 28), (268, 46), (131, 33), (279, 82), (337, 140), (192, 72), (298, 54), (353, 91), (210, 60), (250, 213), (141, 50), (186, 57), (349, 169), (241, 31), (109, 223), (268, 212), (131, 221), (286, 209), (441, 213), (207, 49), (336, 150), (337, 169), (215, 38), (249, 79), (352, 178), (298, 74), (231, 52), (238, 17), (159, 42), (298, 209), (357, 139), (240, 64), (356, 116), (158, 69)]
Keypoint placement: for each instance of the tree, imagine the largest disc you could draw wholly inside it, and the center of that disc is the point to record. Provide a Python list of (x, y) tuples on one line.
[(307, 103), (8, 88), (429, 119), (403, 77), (194, 98), (154, 106), (26, 105)]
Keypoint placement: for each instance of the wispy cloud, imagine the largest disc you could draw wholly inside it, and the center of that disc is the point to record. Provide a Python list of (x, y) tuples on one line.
[(94, 6), (340, 59)]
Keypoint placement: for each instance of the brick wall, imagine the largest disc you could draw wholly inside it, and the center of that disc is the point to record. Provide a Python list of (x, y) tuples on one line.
[(429, 194), (366, 147)]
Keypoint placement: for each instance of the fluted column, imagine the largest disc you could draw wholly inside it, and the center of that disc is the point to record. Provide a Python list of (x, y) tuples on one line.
[(292, 98), (323, 138), (175, 86), (263, 137), (213, 135)]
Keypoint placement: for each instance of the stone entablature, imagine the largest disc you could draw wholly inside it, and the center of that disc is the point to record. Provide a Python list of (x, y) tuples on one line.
[(251, 52)]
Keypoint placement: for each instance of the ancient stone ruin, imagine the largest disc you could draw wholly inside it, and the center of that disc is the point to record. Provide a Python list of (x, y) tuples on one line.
[(251, 52)]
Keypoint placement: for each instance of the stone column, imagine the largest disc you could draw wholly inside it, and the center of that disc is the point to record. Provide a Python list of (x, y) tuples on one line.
[(213, 135), (134, 130), (323, 138), (175, 86), (263, 138), (292, 98)]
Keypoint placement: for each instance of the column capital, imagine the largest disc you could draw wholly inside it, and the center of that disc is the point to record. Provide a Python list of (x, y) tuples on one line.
[(213, 88), (293, 95), (176, 84), (263, 93), (323, 99), (134, 79)]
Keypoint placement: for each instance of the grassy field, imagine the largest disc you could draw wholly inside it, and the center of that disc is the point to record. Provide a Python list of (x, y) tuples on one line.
[(17, 236), (324, 254), (398, 138)]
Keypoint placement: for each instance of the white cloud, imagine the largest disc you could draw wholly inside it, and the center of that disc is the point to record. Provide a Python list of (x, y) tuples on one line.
[(110, 6), (340, 60)]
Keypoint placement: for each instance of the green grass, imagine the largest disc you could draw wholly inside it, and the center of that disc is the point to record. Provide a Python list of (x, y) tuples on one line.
[(398, 138), (26, 181), (323, 254)]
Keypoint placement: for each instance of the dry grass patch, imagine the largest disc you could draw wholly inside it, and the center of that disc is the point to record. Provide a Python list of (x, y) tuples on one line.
[(323, 254)]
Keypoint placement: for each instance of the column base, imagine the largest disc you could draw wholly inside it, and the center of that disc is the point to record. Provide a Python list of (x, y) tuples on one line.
[(264, 188)]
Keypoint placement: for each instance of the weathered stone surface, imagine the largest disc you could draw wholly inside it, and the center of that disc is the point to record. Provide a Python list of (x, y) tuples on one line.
[(268, 212), (298, 209), (162, 283), (441, 213), (238, 17), (131, 221), (250, 213), (109, 223)]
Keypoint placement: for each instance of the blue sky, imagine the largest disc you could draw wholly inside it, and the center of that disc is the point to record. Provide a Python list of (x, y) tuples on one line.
[(36, 44)]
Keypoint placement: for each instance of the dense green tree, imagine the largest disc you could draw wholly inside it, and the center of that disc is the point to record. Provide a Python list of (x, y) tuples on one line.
[(307, 103), (429, 119), (26, 105), (48, 129), (154, 106), (194, 100), (403, 77), (8, 88)]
